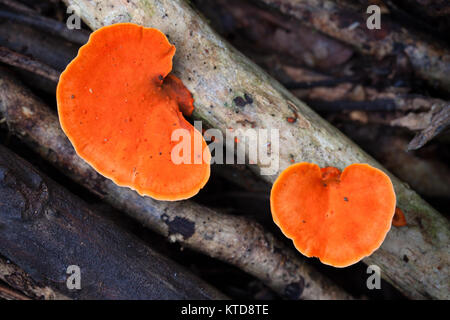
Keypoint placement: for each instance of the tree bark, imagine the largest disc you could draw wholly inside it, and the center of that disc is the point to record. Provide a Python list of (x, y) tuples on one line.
[(18, 279), (219, 77), (235, 240), (347, 23), (45, 229)]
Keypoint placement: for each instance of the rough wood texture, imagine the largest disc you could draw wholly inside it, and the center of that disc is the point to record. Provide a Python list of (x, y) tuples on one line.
[(18, 279), (235, 240), (15, 59), (218, 75), (347, 23), (45, 229)]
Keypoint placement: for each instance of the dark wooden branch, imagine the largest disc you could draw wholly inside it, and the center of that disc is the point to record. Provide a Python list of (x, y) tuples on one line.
[(348, 24), (48, 25), (45, 229), (17, 6), (26, 63)]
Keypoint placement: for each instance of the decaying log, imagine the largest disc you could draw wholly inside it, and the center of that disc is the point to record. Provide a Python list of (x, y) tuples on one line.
[(219, 77), (21, 281), (235, 240), (46, 229), (348, 23)]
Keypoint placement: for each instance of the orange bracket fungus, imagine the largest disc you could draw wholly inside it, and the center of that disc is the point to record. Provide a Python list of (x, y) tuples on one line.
[(399, 219), (118, 105), (339, 217)]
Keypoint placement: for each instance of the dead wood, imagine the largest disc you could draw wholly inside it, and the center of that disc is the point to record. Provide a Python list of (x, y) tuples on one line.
[(22, 282), (28, 64), (9, 294), (235, 240), (52, 51), (348, 24), (218, 75), (439, 121), (47, 25), (17, 6), (427, 175), (45, 229)]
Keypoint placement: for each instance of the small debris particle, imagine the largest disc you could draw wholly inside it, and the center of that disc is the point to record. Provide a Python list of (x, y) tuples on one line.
[(345, 199), (72, 96), (248, 98), (291, 119)]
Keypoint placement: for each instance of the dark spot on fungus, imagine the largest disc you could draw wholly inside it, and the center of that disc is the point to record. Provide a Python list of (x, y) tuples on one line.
[(294, 290), (405, 258), (160, 77)]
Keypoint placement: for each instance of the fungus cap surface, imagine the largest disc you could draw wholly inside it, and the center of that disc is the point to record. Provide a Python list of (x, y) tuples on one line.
[(337, 217), (118, 106)]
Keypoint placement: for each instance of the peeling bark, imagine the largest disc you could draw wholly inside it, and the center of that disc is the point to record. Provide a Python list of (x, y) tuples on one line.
[(235, 240), (217, 74)]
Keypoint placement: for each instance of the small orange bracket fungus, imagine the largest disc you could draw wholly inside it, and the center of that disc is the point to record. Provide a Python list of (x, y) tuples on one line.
[(118, 105), (399, 219), (338, 217)]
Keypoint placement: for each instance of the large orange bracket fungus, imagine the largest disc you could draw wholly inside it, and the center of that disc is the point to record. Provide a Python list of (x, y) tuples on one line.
[(118, 105), (339, 217)]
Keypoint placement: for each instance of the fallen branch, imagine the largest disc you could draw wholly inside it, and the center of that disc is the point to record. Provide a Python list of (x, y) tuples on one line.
[(28, 64), (45, 229), (217, 75), (47, 25), (348, 24), (235, 240)]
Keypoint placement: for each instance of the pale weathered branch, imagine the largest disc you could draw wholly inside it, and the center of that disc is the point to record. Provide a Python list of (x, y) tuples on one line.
[(219, 76)]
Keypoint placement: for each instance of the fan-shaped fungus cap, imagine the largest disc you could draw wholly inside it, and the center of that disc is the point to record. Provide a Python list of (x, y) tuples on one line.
[(118, 105), (338, 217)]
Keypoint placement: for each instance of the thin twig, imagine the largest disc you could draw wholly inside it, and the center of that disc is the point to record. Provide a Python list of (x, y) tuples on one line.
[(23, 62)]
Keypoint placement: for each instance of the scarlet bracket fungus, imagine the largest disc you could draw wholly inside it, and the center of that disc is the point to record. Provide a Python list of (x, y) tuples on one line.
[(338, 217), (399, 219), (118, 105)]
